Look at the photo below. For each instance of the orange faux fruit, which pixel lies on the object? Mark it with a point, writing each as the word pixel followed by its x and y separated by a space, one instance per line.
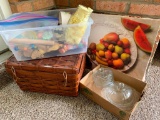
pixel 101 53
pixel 118 63
pixel 111 47
pixel 126 43
pixel 115 55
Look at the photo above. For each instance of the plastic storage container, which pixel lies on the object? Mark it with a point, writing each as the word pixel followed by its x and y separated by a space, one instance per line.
pixel 46 41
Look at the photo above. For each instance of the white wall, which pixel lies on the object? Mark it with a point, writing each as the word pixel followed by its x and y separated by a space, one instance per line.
pixel 5 12
pixel 5 8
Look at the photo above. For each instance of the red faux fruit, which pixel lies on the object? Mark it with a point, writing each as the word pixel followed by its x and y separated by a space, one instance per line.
pixel 94 51
pixel 111 38
pixel 120 43
pixel 106 44
pixel 101 41
pixel 110 63
pixel 127 50
pixel 108 54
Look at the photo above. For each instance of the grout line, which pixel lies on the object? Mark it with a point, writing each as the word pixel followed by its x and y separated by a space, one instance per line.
pixel 3 51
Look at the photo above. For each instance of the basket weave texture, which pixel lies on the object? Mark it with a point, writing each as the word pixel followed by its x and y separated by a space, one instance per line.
pixel 57 75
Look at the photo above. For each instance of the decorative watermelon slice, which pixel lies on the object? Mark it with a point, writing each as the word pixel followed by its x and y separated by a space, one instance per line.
pixel 131 24
pixel 141 40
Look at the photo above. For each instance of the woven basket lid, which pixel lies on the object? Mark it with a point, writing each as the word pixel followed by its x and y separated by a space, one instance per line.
pixel 71 64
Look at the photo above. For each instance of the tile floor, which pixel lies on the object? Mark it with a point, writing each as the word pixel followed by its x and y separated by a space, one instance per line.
pixel 5 56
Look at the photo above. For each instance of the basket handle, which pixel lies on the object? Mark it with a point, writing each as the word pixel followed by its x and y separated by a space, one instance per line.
pixel 14 74
pixel 65 77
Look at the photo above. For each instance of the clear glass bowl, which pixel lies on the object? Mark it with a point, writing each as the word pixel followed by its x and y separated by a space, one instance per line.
pixel 121 95
pixel 102 77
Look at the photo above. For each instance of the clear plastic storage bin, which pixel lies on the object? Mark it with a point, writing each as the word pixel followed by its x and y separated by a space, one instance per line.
pixel 36 42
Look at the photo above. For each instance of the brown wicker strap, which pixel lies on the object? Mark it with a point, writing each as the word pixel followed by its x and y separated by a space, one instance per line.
pixel 14 74
pixel 65 77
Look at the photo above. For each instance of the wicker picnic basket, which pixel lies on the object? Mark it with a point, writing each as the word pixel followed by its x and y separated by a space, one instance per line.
pixel 57 75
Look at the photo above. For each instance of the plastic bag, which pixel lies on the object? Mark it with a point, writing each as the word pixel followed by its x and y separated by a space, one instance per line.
pixel 27 20
pixel 25 16
pixel 28 23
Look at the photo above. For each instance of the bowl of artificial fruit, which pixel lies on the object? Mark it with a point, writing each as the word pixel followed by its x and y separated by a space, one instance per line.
pixel 113 50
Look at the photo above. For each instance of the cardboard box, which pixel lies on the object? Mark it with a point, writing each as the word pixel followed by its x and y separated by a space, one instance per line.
pixel 88 88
